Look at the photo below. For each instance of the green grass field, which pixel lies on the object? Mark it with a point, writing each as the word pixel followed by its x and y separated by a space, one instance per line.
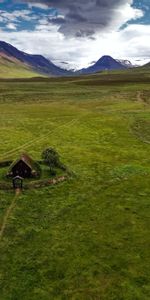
pixel 87 238
pixel 10 69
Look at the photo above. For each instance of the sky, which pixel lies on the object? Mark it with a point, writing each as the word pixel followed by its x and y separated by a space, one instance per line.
pixel 76 33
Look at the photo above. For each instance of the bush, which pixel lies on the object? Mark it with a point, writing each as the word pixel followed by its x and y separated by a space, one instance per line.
pixel 51 157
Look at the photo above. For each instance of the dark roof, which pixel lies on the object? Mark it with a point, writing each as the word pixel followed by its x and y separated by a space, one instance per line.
pixel 27 160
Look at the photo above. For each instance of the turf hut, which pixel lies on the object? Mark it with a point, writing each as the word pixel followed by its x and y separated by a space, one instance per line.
pixel 24 167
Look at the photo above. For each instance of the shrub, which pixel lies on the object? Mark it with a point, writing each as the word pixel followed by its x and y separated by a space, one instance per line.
pixel 51 158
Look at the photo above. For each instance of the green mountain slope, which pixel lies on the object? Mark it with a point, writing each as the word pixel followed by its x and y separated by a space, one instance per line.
pixel 37 63
pixel 15 69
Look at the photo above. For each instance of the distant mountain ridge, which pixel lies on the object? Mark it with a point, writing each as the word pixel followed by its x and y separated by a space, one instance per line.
pixel 105 63
pixel 29 65
pixel 147 65
pixel 37 63
pixel 125 62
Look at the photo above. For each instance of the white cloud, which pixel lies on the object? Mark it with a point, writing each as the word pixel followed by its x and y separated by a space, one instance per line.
pixel 38 5
pixel 11 26
pixel 15 15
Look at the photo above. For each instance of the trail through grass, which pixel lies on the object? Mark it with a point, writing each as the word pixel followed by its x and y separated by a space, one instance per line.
pixel 8 213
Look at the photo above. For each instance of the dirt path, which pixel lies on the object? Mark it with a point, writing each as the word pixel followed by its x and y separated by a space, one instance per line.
pixel 8 213
pixel 140 98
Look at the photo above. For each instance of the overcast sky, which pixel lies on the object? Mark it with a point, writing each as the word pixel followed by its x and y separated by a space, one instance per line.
pixel 74 33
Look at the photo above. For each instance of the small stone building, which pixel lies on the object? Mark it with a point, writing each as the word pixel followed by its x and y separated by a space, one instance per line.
pixel 24 167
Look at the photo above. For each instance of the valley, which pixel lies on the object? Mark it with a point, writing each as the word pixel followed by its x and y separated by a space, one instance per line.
pixel 18 64
pixel 86 238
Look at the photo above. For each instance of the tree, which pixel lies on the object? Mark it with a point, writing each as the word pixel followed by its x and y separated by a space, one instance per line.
pixel 51 158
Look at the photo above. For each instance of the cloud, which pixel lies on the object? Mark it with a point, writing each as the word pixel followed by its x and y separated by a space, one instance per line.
pixel 11 26
pixel 15 15
pixel 38 5
pixel 84 18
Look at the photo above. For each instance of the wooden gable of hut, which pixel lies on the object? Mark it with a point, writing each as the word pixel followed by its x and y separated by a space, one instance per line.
pixel 24 167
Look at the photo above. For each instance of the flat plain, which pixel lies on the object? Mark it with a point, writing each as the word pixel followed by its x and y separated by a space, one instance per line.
pixel 86 238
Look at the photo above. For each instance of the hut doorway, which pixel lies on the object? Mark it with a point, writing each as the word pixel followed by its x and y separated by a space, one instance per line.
pixel 17 183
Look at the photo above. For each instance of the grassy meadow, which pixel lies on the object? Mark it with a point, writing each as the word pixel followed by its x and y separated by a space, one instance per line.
pixel 14 69
pixel 87 238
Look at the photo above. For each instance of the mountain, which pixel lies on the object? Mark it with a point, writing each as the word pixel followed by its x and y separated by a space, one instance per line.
pixel 34 63
pixel 104 63
pixel 147 65
pixel 11 68
pixel 125 62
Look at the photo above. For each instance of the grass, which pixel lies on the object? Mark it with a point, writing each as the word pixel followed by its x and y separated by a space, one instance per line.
pixel 87 238
pixel 10 69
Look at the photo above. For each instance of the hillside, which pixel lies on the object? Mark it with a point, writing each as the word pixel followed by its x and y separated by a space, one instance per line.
pixel 35 63
pixel 15 69
pixel 147 65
